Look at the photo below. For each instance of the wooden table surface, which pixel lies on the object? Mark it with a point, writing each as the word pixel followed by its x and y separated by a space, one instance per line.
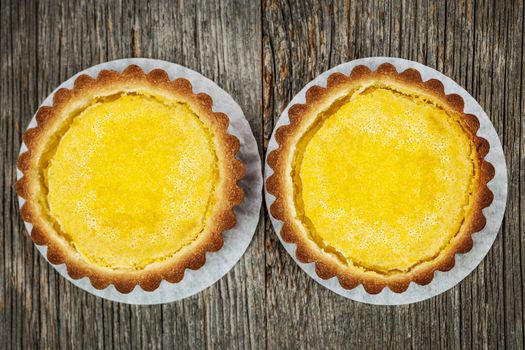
pixel 262 54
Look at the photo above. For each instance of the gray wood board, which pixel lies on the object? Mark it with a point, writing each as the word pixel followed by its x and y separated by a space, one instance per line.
pixel 262 54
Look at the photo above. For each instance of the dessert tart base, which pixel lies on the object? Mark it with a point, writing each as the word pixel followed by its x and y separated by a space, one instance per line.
pixel 236 240
pixel 464 263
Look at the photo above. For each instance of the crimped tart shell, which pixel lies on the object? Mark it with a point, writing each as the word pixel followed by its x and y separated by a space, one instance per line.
pixel 280 183
pixel 108 82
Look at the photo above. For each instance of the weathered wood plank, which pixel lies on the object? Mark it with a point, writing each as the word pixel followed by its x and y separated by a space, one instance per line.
pixel 512 93
pixel 480 45
pixel 231 41
pixel 42 44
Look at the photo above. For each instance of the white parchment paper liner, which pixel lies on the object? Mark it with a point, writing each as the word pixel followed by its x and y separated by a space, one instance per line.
pixel 483 240
pixel 236 240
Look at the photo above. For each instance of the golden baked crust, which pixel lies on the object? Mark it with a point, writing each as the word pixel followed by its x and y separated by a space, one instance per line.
pixel 280 183
pixel 228 193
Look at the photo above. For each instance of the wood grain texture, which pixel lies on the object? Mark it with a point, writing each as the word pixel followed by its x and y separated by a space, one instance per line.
pixel 262 53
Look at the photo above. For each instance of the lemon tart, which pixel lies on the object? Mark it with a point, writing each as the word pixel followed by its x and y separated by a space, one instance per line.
pixel 380 178
pixel 130 178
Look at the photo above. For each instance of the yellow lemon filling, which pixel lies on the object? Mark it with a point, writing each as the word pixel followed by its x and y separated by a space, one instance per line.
pixel 131 180
pixel 384 180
